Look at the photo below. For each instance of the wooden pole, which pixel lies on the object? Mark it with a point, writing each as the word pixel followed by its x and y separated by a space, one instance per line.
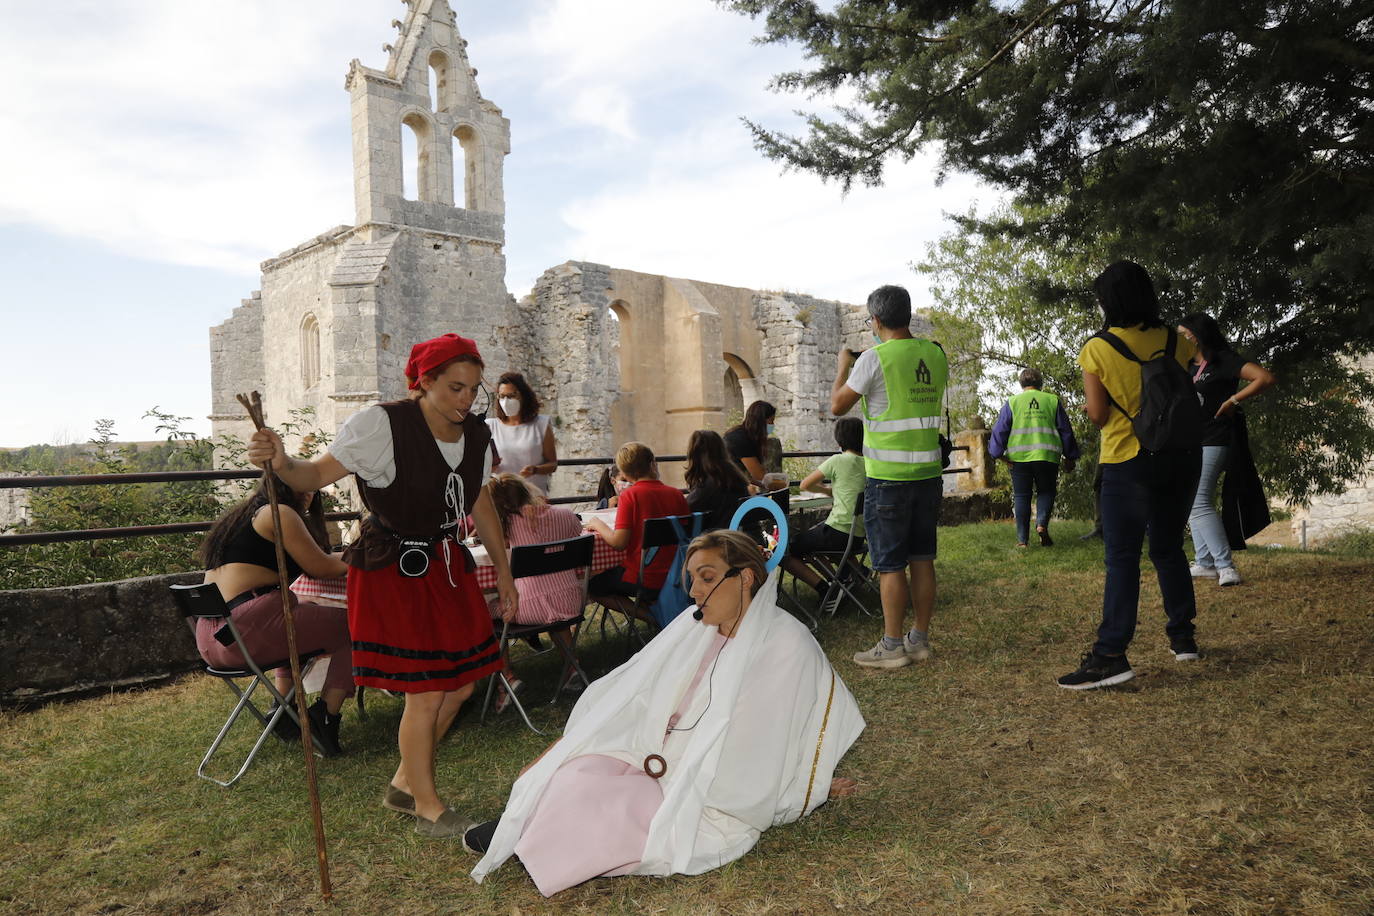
pixel 254 408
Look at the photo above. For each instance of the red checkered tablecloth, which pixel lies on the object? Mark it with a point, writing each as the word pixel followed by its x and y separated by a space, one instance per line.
pixel 307 587
pixel 604 556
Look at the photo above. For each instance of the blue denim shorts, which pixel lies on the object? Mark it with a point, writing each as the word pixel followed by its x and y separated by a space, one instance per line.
pixel 900 518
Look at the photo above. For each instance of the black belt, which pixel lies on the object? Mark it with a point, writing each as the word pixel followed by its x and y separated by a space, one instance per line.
pixel 245 597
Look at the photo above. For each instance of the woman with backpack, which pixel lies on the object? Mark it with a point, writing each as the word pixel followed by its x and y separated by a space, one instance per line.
pixel 1216 371
pixel 1150 459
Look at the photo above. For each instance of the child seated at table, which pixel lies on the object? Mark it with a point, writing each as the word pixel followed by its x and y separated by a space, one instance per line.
pixel 646 497
pixel 527 518
pixel 846 474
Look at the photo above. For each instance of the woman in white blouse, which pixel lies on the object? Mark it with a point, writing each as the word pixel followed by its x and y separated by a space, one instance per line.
pixel 524 438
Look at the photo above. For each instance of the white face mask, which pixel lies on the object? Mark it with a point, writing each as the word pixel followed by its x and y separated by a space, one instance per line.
pixel 510 407
pixel 621 484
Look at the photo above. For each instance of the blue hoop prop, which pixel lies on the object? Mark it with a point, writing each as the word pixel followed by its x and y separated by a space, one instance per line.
pixel 763 502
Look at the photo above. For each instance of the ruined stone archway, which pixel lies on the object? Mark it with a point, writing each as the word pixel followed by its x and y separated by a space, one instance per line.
pixel 741 388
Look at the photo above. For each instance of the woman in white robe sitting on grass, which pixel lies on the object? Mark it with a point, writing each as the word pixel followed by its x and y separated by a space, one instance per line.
pixel 729 722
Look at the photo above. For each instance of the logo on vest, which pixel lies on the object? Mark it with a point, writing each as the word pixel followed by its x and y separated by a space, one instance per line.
pixel 923 373
pixel 1033 405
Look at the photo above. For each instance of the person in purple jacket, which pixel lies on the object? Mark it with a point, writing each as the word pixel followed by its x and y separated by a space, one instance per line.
pixel 1033 436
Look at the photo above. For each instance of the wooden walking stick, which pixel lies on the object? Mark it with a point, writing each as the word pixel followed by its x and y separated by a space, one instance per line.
pixel 254 408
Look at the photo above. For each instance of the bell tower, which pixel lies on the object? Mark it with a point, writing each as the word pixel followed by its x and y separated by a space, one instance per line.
pixel 428 94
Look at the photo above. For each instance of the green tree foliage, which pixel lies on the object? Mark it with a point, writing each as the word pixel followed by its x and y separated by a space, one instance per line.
pixel 124 505
pixel 1228 147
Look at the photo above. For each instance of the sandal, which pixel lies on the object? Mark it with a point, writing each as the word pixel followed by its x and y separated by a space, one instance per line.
pixel 504 696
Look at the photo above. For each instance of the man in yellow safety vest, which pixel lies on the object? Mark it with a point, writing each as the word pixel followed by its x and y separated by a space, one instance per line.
pixel 901 383
pixel 1033 434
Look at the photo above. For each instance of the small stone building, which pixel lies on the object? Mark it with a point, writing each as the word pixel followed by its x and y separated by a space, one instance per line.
pixel 614 354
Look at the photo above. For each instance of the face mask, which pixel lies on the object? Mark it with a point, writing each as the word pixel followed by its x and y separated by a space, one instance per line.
pixel 620 485
pixel 876 338
pixel 771 429
pixel 510 406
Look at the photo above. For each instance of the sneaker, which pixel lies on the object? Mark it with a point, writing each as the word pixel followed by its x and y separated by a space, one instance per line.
pixel 1202 572
pixel 1095 533
pixel 878 657
pixel 1098 671
pixel 916 651
pixel 325 728
pixel 286 729
pixel 1185 649
pixel 478 839
pixel 1045 540
pixel 1227 575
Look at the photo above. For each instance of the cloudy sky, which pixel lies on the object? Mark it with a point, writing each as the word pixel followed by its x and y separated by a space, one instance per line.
pixel 156 151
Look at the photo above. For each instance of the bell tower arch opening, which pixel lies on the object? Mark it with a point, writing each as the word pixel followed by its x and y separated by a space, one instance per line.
pixel 415 157
pixel 467 160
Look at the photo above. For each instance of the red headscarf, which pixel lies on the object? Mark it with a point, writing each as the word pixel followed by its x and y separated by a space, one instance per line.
pixel 431 354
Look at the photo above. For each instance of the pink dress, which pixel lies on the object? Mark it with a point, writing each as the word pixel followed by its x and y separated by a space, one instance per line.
pixel 557 596
pixel 594 816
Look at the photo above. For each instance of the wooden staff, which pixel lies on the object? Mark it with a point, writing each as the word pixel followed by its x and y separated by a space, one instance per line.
pixel 254 408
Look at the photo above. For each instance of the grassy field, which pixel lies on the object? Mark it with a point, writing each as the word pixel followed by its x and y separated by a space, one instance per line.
pixel 1239 784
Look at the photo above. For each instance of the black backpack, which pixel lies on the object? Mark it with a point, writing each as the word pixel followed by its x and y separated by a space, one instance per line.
pixel 1170 417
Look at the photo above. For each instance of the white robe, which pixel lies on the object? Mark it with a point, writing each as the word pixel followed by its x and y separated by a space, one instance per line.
pixel 763 753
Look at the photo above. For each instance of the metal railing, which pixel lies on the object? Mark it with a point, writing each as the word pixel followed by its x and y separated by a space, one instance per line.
pixel 97 534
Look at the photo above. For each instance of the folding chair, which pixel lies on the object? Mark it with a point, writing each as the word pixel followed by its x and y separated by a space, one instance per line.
pixel 541 560
pixel 833 564
pixel 658 533
pixel 206 602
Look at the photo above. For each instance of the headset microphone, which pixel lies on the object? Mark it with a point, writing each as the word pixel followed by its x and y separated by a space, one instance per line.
pixel 700 612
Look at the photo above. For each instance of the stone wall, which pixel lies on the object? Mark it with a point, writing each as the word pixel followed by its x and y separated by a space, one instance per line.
pixel 1331 516
pixel 59 642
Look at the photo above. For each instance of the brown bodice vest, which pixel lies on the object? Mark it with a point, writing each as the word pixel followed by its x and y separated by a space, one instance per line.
pixel 413 506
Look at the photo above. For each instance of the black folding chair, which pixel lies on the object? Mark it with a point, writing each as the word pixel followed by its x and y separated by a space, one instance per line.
pixel 839 565
pixel 542 560
pixel 206 602
pixel 659 533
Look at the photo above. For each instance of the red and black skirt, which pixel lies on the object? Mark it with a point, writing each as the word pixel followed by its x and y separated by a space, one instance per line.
pixel 418 635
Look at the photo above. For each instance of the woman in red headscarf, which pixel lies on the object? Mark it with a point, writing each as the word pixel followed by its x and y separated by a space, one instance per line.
pixel 417 618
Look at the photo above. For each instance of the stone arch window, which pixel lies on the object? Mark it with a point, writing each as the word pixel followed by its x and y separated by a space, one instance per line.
pixel 310 351
pixel 439 96
pixel 415 158
pixel 741 387
pixel 620 316
pixel 466 164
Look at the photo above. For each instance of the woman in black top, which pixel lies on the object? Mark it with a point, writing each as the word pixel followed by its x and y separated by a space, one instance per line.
pixel 241 560
pixel 715 484
pixel 748 442
pixel 1216 372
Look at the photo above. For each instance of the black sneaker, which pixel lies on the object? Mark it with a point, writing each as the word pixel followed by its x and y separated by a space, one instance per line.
pixel 286 729
pixel 1185 649
pixel 325 728
pixel 1098 671
pixel 1095 533
pixel 1045 540
pixel 478 839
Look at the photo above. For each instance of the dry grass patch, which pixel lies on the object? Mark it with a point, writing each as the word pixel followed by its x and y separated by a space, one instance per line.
pixel 1236 785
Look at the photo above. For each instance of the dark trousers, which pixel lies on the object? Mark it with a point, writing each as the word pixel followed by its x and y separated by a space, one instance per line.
pixel 1150 493
pixel 1043 478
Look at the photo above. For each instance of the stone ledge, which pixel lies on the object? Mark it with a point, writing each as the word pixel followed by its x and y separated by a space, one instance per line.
pixel 63 642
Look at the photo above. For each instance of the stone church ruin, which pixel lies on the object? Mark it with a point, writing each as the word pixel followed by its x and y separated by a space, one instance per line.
pixel 614 354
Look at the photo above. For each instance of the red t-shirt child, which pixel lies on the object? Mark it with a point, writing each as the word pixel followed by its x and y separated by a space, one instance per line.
pixel 646 499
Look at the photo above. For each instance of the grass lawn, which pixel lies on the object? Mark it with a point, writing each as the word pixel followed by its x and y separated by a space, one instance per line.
pixel 1237 784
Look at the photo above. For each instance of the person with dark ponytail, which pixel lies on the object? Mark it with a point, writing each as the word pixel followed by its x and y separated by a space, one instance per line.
pixel 1216 371
pixel 240 558
pixel 1142 491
